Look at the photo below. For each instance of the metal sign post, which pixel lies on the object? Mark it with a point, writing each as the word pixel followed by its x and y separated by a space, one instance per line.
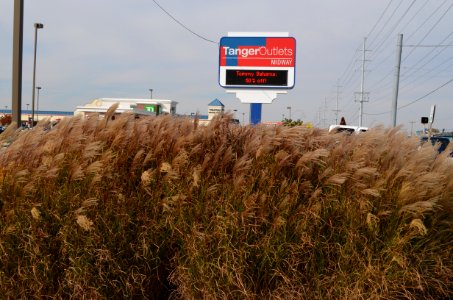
pixel 431 120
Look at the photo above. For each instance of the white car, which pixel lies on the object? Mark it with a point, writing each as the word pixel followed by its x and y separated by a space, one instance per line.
pixel 347 128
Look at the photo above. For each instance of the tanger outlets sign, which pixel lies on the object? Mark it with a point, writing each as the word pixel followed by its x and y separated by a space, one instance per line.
pixel 257 62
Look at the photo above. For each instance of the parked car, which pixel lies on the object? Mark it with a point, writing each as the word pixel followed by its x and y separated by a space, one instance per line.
pixel 440 141
pixel 347 128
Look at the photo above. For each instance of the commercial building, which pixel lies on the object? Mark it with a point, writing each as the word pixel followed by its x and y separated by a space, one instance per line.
pixel 139 106
pixel 100 106
pixel 215 107
pixel 26 114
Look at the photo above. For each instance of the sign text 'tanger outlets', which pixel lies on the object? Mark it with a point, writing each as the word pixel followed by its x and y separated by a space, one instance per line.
pixel 257 62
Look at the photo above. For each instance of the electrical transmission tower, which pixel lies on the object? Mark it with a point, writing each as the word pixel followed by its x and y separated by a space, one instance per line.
pixel 336 110
pixel 363 96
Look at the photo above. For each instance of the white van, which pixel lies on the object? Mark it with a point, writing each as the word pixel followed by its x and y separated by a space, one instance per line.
pixel 347 128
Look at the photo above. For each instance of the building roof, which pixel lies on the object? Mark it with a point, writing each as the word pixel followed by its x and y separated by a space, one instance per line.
pixel 40 112
pixel 216 102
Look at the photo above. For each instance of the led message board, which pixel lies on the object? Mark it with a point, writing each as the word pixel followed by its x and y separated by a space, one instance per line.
pixel 257 62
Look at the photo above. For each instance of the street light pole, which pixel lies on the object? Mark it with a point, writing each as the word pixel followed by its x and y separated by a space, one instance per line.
pixel 289 108
pixel 37 26
pixel 37 103
pixel 151 93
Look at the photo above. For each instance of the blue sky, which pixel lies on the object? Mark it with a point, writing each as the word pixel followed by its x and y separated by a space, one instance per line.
pixel 93 49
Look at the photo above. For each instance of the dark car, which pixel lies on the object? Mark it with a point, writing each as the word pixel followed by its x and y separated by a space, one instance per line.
pixel 440 141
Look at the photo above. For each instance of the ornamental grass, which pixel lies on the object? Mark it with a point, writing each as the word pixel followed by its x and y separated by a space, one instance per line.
pixel 160 208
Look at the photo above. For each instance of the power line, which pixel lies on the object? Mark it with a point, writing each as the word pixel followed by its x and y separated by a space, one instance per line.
pixel 380 18
pixel 388 36
pixel 426 56
pixel 388 20
pixel 184 26
pixel 349 68
pixel 443 63
pixel 376 85
pixel 378 47
pixel 430 71
pixel 429 46
pixel 431 29
pixel 426 20
pixel 349 73
pixel 402 14
pixel 433 91
pixel 416 100
pixel 416 14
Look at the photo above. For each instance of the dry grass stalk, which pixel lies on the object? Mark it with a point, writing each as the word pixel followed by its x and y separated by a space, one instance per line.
pixel 84 222
pixel 164 208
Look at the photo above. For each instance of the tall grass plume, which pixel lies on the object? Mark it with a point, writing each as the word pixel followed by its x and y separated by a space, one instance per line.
pixel 158 207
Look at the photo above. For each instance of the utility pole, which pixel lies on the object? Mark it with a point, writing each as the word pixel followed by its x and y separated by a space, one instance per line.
pixel 17 61
pixel 319 117
pixel 362 84
pixel 399 48
pixel 412 126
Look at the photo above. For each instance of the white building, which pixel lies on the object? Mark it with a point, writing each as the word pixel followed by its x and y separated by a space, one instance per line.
pixel 140 106
pixel 215 108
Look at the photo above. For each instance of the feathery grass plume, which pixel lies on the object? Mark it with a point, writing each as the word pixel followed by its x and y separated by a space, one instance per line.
pixel 371 220
pixel 10 133
pixel 137 162
pixel 371 192
pixel 365 173
pixel 165 167
pixel 95 167
pixel 85 223
pixel 35 213
pixel 92 150
pixel 22 176
pixel 91 202
pixel 419 226
pixel 420 208
pixel 147 177
pixel 169 204
pixel 196 176
pixel 181 161
pixel 241 172
pixel 76 172
pixel 169 173
pixel 108 116
pixel 150 159
pixel 70 133
pixel 337 179
pixel 254 212
pixel 311 162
